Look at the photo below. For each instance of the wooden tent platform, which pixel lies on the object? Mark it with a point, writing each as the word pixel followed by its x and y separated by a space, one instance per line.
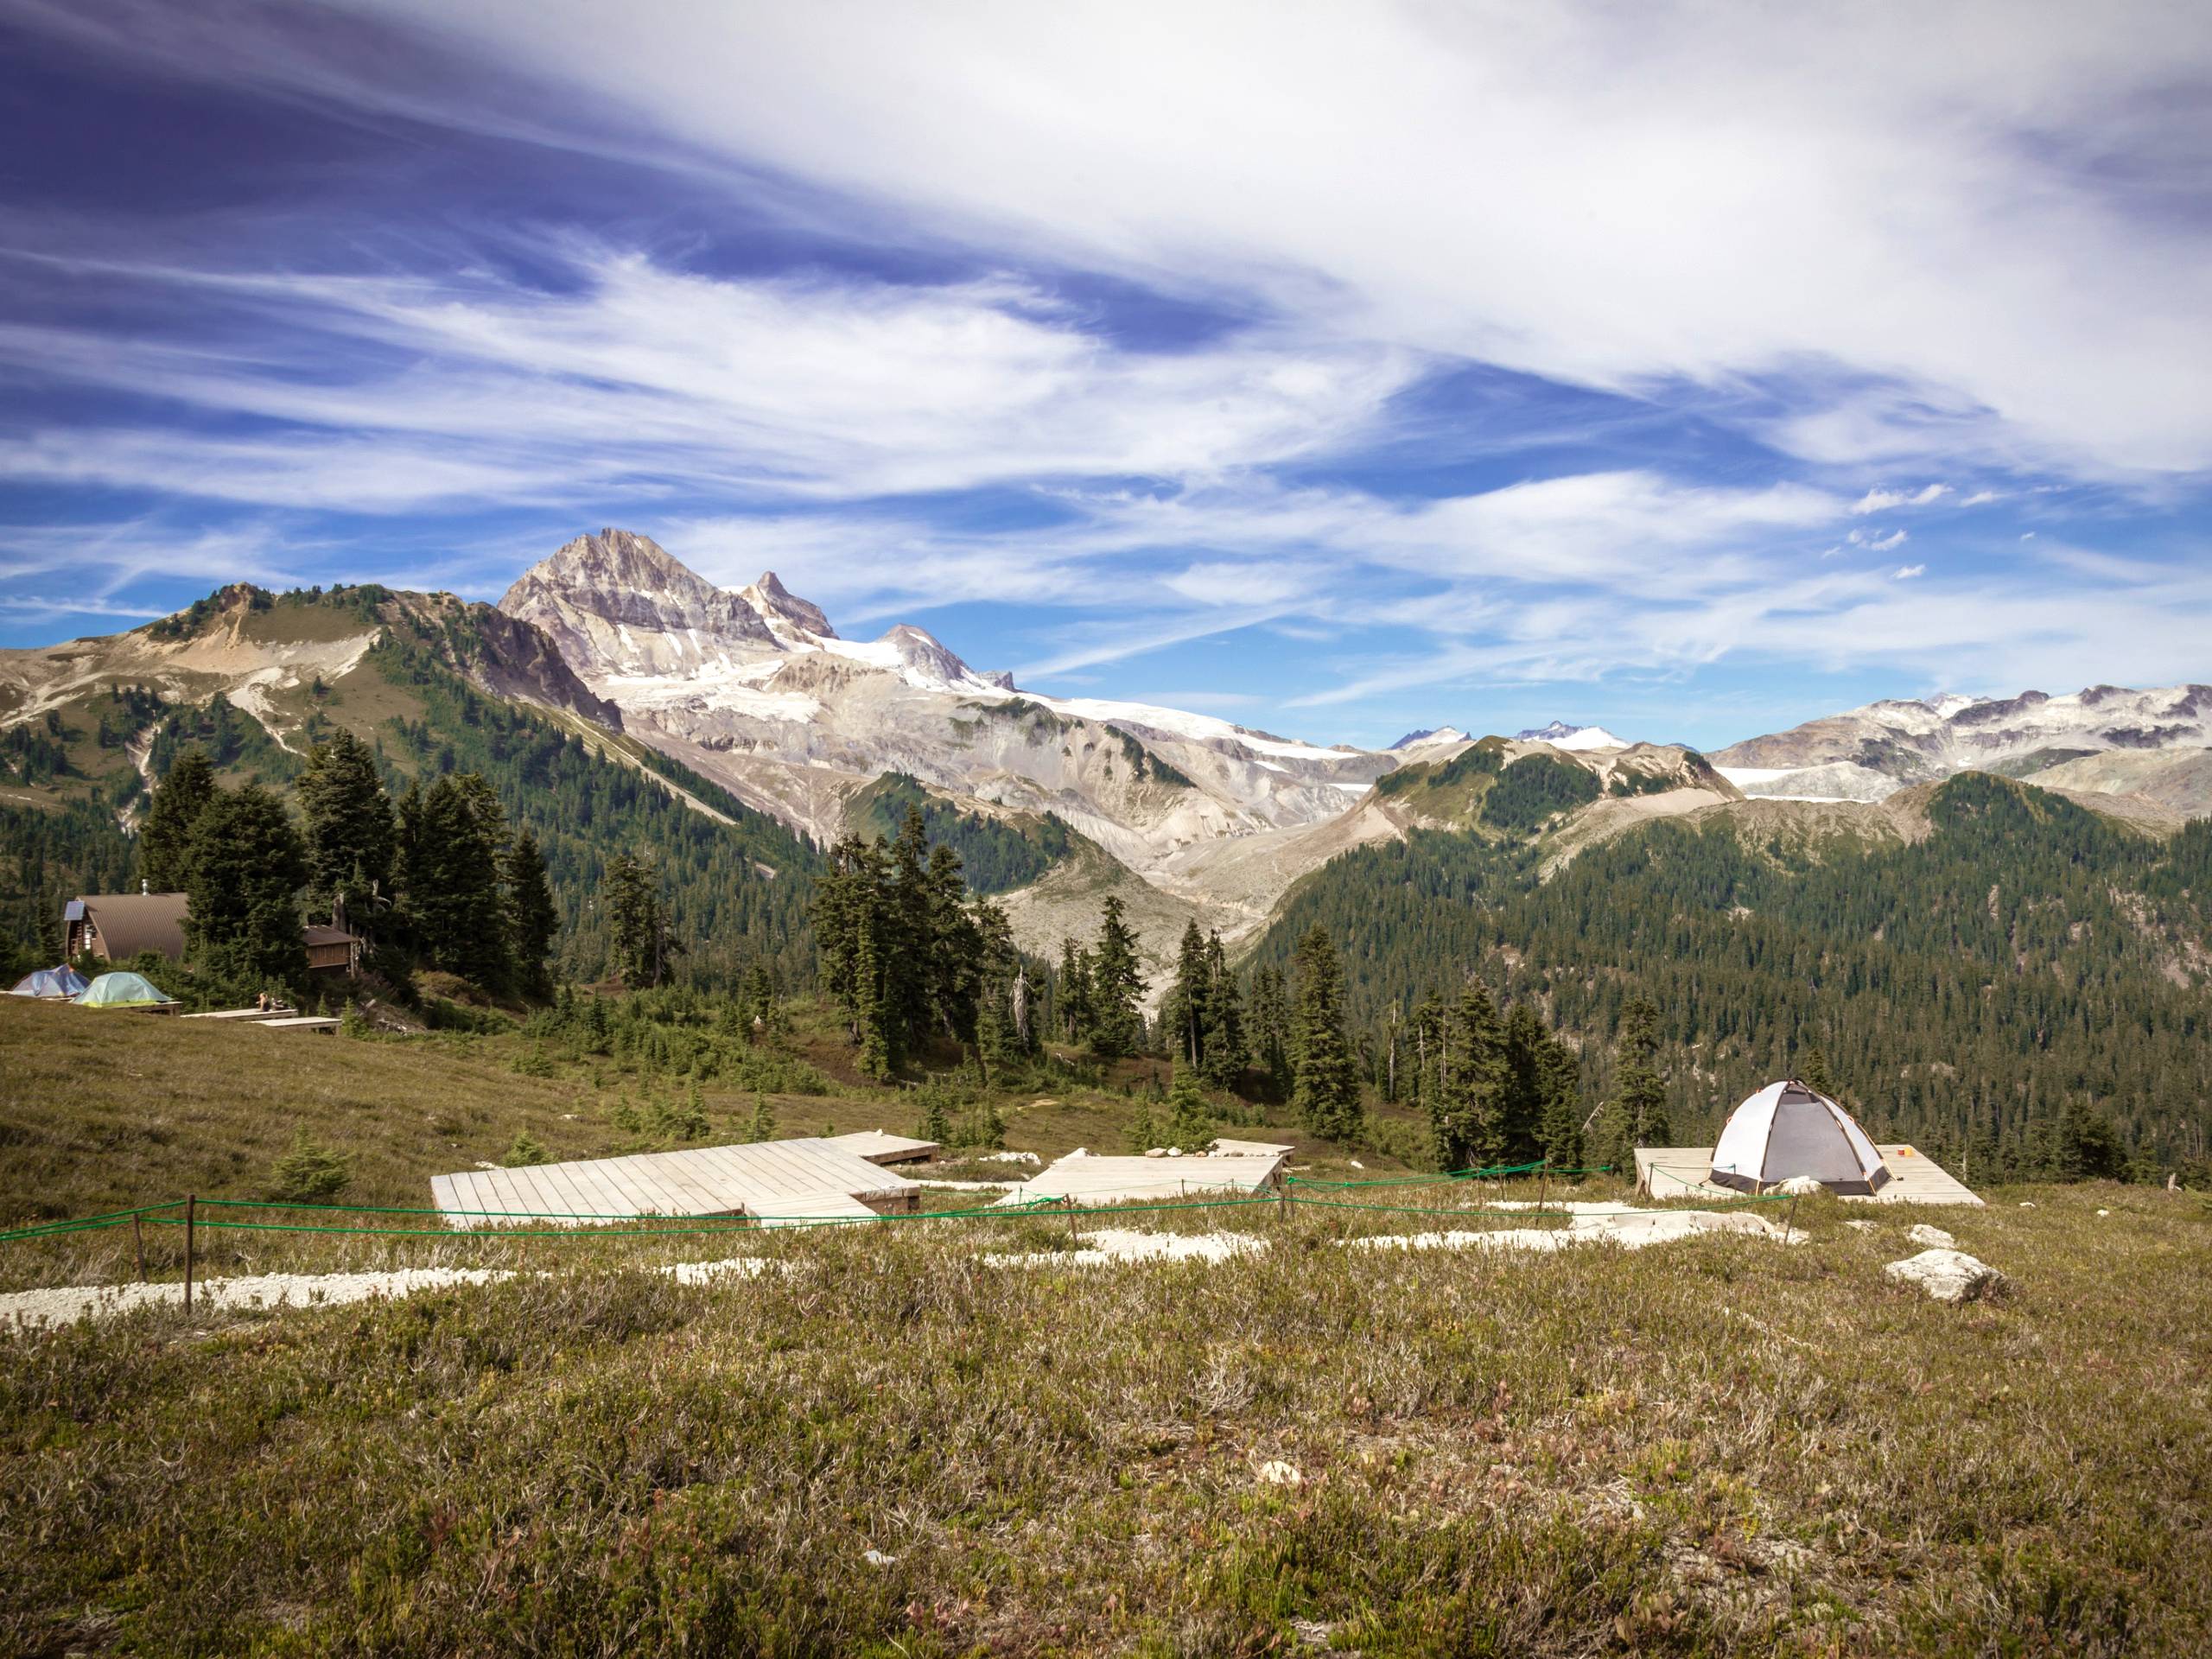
pixel 255 1016
pixel 881 1146
pixel 1085 1180
pixel 1914 1177
pixel 324 1023
pixel 770 1181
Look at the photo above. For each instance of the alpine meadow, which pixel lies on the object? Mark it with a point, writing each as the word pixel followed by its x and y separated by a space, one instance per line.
pixel 1553 994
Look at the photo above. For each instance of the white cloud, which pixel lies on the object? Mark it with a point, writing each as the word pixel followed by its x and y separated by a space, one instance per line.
pixel 406 392
pixel 1879 500
pixel 1980 497
pixel 1907 572
pixel 1921 200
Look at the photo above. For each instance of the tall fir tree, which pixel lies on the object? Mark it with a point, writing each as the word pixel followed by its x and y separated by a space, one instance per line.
pixel 532 919
pixel 1326 1092
pixel 247 866
pixel 351 834
pixel 1116 986
pixel 631 893
pixel 165 837
pixel 1075 1011
pixel 1225 1052
pixel 452 863
pixel 1640 1087
pixel 1467 1113
pixel 1269 1018
pixel 1182 1014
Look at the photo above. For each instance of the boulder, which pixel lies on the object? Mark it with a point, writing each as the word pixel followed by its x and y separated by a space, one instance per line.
pixel 1935 1237
pixel 1949 1275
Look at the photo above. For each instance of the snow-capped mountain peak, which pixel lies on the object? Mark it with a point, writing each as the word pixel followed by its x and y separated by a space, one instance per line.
pixel 776 604
pixel 1428 737
pixel 1560 735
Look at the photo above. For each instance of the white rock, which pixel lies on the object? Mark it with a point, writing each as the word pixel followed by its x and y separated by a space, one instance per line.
pixel 1947 1275
pixel 2026 1205
pixel 2104 1212
pixel 1863 1226
pixel 1934 1237
pixel 1356 1164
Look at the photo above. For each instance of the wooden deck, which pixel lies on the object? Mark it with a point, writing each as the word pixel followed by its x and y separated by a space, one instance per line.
pixel 1914 1177
pixel 881 1146
pixel 257 1016
pixel 323 1023
pixel 1086 1180
pixel 770 1181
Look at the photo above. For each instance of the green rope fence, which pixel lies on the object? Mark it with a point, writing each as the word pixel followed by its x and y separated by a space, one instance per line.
pixel 163 1215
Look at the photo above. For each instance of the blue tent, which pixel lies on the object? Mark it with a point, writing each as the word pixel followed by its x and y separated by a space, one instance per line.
pixel 63 982
pixel 123 991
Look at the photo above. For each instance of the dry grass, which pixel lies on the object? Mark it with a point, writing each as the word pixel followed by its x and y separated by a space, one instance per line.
pixel 1559 1454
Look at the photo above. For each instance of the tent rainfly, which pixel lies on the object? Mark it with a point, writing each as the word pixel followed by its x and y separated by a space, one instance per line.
pixel 123 990
pixel 63 982
pixel 1787 1130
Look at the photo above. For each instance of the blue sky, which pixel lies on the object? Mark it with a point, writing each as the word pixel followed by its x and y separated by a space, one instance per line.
pixel 1694 369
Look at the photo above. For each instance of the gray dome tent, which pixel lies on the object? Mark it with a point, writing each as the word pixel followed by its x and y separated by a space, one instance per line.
pixel 1787 1130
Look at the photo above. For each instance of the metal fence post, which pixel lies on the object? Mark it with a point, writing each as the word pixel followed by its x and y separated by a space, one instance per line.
pixel 138 1247
pixel 190 1202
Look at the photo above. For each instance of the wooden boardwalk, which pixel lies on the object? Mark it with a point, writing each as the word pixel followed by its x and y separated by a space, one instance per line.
pixel 1914 1177
pixel 770 1181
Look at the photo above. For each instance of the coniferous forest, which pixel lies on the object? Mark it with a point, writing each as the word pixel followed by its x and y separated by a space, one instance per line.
pixel 2007 991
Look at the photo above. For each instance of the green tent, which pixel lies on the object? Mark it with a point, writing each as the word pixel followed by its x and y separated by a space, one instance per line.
pixel 123 991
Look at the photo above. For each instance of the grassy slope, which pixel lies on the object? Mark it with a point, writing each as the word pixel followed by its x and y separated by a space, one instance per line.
pixel 1566 1454
pixel 101 1111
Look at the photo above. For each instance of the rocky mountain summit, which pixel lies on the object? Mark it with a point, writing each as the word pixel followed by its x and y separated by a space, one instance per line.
pixel 1869 753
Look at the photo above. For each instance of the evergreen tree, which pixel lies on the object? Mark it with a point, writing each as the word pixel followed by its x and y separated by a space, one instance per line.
pixel 2087 1148
pixel 1182 1016
pixel 1225 1052
pixel 246 865
pixel 350 836
pixel 532 920
pixel 165 837
pixel 1326 1092
pixel 763 1126
pixel 1116 986
pixel 1560 1127
pixel 452 864
pixel 631 895
pixel 1640 1090
pixel 1143 1131
pixel 1075 991
pixel 1467 1112
pixel 1190 1122
pixel 907 960
pixel 1271 1026
pixel 1523 1052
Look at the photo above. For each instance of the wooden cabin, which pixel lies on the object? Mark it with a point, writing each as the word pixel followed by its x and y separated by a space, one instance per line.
pixel 117 926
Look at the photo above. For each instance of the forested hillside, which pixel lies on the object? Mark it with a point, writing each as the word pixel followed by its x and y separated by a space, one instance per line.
pixel 996 853
pixel 1967 989
pixel 737 885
